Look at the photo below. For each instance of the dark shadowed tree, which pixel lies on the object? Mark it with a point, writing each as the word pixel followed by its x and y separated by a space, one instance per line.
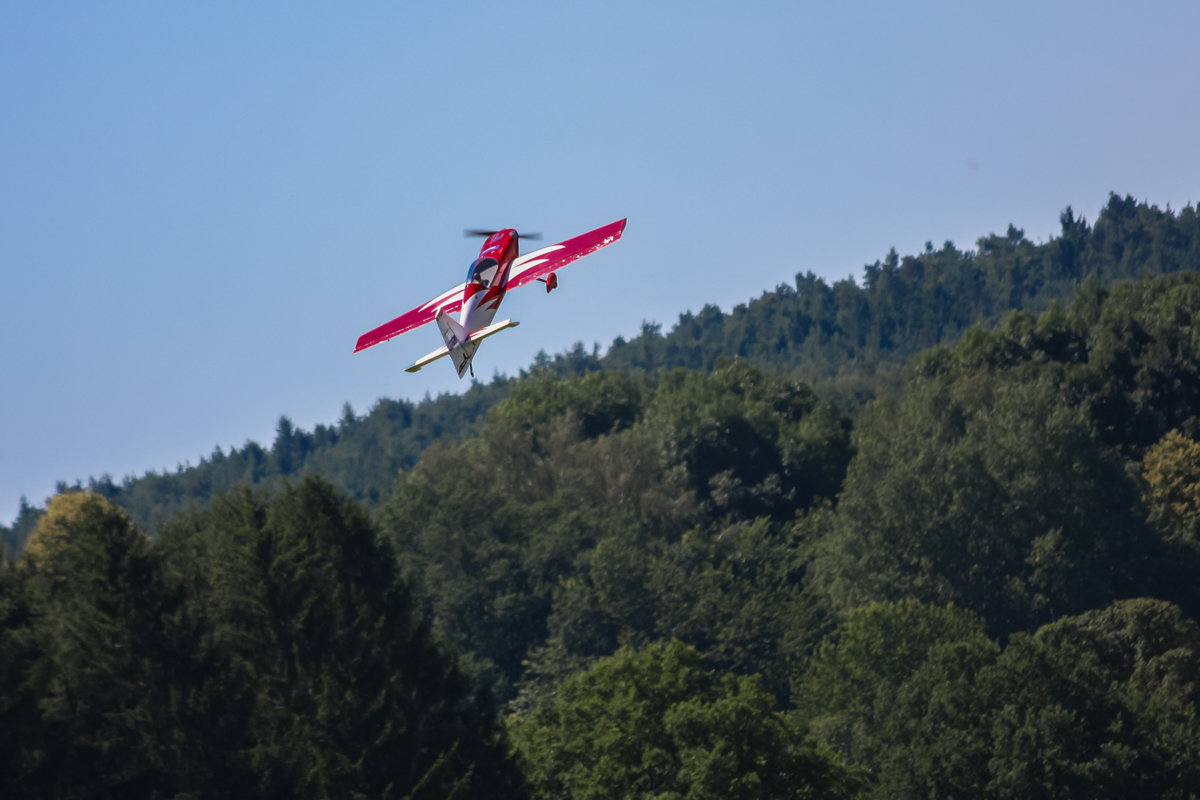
pixel 748 443
pixel 345 691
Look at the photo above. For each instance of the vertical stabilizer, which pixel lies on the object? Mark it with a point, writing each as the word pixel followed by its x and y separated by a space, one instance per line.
pixel 462 350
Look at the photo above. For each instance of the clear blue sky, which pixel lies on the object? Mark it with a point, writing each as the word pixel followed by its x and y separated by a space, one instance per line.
pixel 202 205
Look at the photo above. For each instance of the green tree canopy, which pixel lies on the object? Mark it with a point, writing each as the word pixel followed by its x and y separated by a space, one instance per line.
pixel 990 492
pixel 849 684
pixel 656 724
pixel 749 443
pixel 1100 705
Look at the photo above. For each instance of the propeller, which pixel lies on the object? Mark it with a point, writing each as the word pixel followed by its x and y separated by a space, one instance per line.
pixel 535 237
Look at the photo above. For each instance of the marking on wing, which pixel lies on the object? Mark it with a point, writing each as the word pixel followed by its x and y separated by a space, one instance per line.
pixel 537 254
pixel 443 298
pixel 531 260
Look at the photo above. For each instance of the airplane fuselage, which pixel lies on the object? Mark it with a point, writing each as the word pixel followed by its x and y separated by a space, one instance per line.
pixel 487 279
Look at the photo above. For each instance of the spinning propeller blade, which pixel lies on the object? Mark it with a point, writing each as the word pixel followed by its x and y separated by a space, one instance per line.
pixel 479 232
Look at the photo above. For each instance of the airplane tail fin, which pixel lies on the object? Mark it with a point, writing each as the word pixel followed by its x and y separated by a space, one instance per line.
pixel 460 347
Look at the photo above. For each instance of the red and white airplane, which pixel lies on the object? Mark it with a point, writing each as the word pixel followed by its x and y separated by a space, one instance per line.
pixel 497 269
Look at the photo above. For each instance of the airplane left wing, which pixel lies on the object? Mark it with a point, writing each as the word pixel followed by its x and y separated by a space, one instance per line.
pixel 448 301
pixel 541 263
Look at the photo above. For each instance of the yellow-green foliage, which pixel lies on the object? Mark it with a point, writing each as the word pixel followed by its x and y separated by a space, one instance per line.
pixel 66 514
pixel 1171 470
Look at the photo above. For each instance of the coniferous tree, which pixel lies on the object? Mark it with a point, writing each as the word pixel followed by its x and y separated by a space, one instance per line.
pixel 345 692
pixel 95 603
pixel 259 648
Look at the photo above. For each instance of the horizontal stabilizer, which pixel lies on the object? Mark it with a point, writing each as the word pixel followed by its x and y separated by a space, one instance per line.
pixel 475 337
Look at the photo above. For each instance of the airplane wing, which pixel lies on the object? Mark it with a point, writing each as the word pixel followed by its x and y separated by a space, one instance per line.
pixel 541 263
pixel 450 301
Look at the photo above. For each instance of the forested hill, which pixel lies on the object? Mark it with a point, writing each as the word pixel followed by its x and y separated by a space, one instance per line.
pixel 844 338
pixel 702 583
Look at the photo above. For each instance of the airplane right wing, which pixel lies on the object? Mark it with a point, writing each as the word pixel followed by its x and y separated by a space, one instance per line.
pixel 541 263
pixel 448 301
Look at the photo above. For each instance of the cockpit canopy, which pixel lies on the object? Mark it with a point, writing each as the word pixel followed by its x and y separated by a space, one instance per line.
pixel 483 271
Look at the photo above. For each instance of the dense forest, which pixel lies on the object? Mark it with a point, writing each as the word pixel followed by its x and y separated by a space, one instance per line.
pixel 937 535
